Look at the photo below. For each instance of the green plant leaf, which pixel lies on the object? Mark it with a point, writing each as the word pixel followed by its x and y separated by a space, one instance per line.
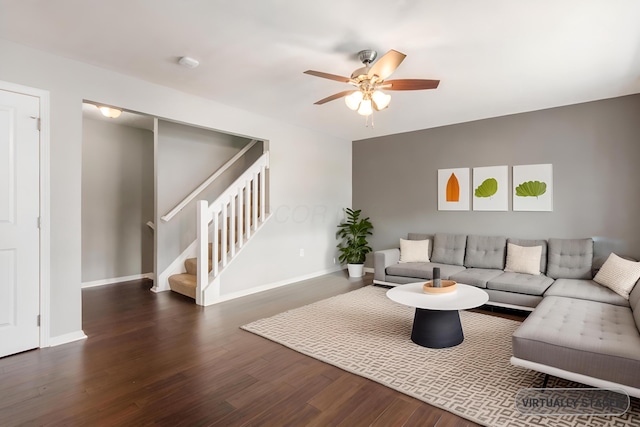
pixel 353 233
pixel 531 189
pixel 488 188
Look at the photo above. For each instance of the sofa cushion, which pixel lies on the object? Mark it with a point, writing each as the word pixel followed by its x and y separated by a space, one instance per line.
pixel 476 276
pixel 619 275
pixel 449 248
pixel 423 270
pixel 586 337
pixel 485 252
pixel 421 236
pixel 520 283
pixel 530 242
pixel 523 259
pixel 414 250
pixel 570 258
pixel 585 289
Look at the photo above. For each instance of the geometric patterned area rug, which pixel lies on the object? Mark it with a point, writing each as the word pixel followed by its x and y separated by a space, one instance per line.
pixel 365 333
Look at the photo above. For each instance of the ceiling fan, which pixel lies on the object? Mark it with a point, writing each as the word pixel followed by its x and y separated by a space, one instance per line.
pixel 370 80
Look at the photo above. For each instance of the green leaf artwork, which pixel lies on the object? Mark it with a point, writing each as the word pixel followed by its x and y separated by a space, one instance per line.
pixel 488 188
pixel 531 189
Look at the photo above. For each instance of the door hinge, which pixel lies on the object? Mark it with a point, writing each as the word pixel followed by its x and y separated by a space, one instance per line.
pixel 38 320
pixel 38 222
pixel 38 122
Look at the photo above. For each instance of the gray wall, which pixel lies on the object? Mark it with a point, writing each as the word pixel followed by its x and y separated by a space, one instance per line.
pixel 595 152
pixel 187 156
pixel 117 200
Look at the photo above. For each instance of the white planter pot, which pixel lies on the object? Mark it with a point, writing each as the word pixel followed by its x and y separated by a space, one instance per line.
pixel 355 270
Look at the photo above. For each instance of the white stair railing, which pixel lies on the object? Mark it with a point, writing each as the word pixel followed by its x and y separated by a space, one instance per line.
pixel 229 222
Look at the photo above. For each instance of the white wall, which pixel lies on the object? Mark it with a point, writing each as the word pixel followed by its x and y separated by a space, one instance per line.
pixel 308 168
pixel 117 200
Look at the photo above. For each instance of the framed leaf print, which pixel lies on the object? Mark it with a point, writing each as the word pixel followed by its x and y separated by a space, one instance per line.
pixel 453 189
pixel 533 188
pixel 490 188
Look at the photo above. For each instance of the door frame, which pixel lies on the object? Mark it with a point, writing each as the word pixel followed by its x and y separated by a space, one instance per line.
pixel 45 205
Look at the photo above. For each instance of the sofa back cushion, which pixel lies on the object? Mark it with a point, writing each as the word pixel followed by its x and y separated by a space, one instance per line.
pixel 449 248
pixel 485 252
pixel 570 258
pixel 529 243
pixel 420 236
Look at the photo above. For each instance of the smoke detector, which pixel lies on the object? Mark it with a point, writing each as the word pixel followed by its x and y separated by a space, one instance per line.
pixel 189 62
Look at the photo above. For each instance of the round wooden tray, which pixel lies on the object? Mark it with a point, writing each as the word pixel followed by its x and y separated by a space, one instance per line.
pixel 447 286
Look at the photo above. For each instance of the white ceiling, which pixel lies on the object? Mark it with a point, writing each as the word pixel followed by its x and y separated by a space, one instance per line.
pixel 493 57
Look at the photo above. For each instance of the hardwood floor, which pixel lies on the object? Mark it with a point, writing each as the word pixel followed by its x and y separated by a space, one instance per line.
pixel 159 359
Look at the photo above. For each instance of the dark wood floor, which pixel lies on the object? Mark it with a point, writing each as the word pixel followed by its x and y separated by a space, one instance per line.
pixel 159 359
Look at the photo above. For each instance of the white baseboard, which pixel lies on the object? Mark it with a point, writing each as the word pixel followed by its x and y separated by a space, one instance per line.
pixel 67 338
pixel 278 284
pixel 369 270
pixel 117 280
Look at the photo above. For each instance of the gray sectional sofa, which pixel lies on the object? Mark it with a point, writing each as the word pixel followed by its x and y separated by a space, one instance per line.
pixel 578 329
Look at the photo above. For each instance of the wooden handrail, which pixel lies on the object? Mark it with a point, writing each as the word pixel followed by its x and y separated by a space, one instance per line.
pixel 173 212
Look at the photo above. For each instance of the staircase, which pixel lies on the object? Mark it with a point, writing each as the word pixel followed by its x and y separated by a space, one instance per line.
pixel 233 218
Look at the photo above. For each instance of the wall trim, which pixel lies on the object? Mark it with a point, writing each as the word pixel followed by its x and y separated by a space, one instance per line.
pixel 113 280
pixel 67 338
pixel 277 284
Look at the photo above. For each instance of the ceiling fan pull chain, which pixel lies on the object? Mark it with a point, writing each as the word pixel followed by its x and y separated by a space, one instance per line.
pixel 366 121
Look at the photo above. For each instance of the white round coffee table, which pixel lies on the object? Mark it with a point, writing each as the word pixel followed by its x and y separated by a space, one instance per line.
pixel 436 323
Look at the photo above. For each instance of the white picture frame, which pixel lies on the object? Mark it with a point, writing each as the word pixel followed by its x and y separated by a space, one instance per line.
pixel 533 188
pixel 490 191
pixel 453 189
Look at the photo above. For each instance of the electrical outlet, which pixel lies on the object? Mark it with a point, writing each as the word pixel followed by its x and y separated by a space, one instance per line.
pixel 334 260
pixel 301 252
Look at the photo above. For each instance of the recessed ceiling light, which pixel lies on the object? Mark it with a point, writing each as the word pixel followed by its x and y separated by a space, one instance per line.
pixel 187 61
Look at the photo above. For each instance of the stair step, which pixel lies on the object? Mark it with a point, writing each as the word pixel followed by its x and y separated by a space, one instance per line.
pixel 184 284
pixel 191 264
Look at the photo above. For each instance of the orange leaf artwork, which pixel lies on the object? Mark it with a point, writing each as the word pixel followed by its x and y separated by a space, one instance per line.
pixel 453 189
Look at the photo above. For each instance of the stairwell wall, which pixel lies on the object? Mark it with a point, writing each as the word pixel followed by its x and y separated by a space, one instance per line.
pixel 187 156
pixel 309 170
pixel 117 201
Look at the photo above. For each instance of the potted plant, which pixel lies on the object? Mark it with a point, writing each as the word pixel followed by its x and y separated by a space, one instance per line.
pixel 354 246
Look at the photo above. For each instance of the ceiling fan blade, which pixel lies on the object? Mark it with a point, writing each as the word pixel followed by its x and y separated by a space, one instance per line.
pixel 410 84
pixel 335 96
pixel 387 64
pixel 328 76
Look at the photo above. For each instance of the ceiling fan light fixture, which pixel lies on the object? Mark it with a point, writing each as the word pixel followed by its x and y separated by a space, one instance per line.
pixel 365 108
pixel 353 100
pixel 370 79
pixel 381 99
pixel 112 113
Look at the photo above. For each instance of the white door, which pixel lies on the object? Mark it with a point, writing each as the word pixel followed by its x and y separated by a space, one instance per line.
pixel 19 212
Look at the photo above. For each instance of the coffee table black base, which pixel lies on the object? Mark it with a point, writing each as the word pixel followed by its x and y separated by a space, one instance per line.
pixel 436 328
